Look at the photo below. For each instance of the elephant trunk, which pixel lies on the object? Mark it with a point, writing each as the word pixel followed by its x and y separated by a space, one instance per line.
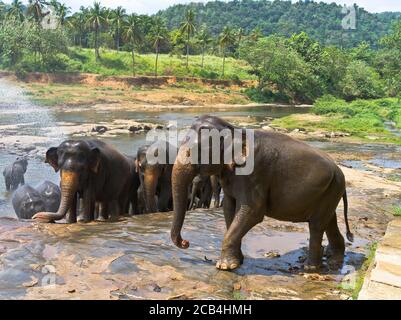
pixel 150 184
pixel 182 176
pixel 69 187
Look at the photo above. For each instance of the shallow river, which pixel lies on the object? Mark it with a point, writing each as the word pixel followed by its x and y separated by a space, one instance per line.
pixel 135 258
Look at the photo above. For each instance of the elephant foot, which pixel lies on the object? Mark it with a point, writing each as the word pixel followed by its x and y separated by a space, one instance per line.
pixel 311 268
pixel 335 258
pixel 229 262
pixel 83 220
pixel 101 219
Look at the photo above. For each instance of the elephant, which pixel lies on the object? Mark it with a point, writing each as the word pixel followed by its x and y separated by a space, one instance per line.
pixel 135 184
pixel 51 195
pixel 201 189
pixel 216 189
pixel 27 201
pixel 156 177
pixel 91 170
pixel 14 174
pixel 290 181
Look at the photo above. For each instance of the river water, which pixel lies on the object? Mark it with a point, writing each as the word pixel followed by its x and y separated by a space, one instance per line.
pixel 135 258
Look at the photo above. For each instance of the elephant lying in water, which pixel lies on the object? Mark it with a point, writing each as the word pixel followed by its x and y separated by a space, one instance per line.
pixel 28 201
pixel 94 171
pixel 291 181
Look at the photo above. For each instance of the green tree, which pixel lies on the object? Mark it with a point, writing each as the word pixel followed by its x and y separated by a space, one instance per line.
pixel 204 39
pixel 16 10
pixel 62 11
pixel 361 81
pixel 188 28
pixel 96 19
pixel 280 68
pixel 158 34
pixel 117 20
pixel 226 39
pixel 133 35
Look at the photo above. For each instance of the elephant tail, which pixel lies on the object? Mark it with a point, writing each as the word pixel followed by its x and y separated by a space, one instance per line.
pixel 350 236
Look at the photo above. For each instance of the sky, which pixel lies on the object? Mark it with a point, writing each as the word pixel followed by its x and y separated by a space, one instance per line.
pixel 152 6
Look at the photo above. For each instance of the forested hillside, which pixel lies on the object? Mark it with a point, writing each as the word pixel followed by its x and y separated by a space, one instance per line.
pixel 319 20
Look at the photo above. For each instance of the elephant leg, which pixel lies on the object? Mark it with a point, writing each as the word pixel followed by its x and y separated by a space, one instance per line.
pixel 229 214
pixel 315 247
pixel 103 214
pixel 114 210
pixel 336 248
pixel 88 207
pixel 215 190
pixel 22 181
pixel 71 216
pixel 244 220
pixel 134 202
pixel 8 184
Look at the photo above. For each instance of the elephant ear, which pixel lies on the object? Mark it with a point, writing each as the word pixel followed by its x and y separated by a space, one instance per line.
pixel 94 160
pixel 52 158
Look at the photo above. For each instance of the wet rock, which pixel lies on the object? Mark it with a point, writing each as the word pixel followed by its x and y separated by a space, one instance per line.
pixel 272 254
pixel 34 281
pixel 146 128
pixel 157 288
pixel 100 129
pixel 28 148
pixel 134 129
pixel 267 128
pixel 332 135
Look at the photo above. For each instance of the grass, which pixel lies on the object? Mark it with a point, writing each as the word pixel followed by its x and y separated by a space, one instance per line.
pixel 397 211
pixel 360 118
pixel 356 287
pixel 113 63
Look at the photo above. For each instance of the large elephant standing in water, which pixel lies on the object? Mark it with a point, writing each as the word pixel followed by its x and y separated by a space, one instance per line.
pixel 290 181
pixel 95 171
pixel 156 177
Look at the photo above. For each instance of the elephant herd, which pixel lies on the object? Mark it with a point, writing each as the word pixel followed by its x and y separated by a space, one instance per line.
pixel 100 183
pixel 290 181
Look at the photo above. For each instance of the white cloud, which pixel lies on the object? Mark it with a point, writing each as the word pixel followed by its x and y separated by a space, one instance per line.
pixel 152 6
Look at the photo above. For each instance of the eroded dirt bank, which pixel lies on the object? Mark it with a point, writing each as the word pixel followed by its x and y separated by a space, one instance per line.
pixel 134 258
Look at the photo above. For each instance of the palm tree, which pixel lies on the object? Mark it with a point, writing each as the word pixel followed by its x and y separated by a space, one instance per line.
pixel 117 19
pixel 132 33
pixel 204 39
pixel 78 22
pixel 188 28
pixel 35 10
pixel 96 19
pixel 62 11
pixel 158 34
pixel 16 10
pixel 226 39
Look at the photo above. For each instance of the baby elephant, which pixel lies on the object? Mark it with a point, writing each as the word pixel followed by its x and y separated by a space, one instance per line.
pixel 28 201
pixel 14 174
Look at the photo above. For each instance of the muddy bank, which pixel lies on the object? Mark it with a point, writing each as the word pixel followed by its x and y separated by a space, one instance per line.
pixel 95 79
pixel 135 259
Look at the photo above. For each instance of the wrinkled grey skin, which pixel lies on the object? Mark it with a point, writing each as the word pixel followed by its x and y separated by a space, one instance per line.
pixel 14 174
pixel 27 201
pixel 291 181
pixel 51 195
